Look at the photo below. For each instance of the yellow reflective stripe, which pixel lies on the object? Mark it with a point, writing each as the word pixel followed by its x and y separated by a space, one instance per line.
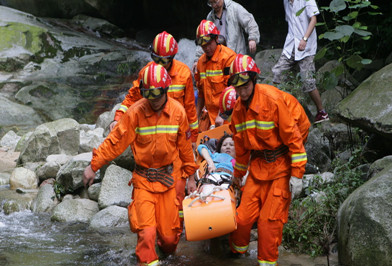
pixel 181 214
pixel 123 108
pixel 298 157
pixel 157 129
pixel 239 249
pixel 263 125
pixel 153 263
pixel 173 88
pixel 240 167
pixel 267 263
pixel 202 75
pixel 214 73
pixel 194 125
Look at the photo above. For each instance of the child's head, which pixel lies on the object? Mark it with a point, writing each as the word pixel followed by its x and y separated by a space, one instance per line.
pixel 226 145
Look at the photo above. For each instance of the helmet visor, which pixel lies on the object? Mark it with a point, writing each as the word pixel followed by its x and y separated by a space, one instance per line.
pixel 239 79
pixel 162 60
pixel 202 40
pixel 153 93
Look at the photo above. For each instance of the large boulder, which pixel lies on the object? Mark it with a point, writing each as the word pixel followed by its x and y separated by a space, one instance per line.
pixel 75 210
pixel 112 216
pixel 365 223
pixel 115 189
pixel 370 105
pixel 60 136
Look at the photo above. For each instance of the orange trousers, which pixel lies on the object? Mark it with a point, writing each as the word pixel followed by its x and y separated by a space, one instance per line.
pixel 266 202
pixel 154 217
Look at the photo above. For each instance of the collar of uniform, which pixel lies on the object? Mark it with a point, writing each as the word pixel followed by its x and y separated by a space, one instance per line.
pixel 215 56
pixel 173 70
pixel 148 112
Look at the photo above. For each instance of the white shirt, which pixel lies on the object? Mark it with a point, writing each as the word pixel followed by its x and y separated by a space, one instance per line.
pixel 298 26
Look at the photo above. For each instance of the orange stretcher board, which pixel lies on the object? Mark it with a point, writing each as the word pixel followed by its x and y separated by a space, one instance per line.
pixel 212 219
pixel 216 217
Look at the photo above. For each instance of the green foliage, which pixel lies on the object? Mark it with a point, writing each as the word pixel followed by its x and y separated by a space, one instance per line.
pixel 59 190
pixel 128 68
pixel 293 85
pixel 312 223
pixel 345 33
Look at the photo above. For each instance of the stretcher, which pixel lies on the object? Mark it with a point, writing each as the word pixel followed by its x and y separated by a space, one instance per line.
pixel 209 212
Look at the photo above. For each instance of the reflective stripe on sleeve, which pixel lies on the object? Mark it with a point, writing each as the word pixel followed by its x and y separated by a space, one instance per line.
pixel 240 167
pixel 153 263
pixel 123 108
pixel 194 125
pixel 298 157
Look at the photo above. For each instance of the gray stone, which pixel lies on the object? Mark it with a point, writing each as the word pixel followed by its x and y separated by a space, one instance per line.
pixel 93 191
pixel 365 223
pixel 75 210
pixel 60 136
pixel 370 105
pixel 46 199
pixel 23 178
pixel 115 189
pixel 112 216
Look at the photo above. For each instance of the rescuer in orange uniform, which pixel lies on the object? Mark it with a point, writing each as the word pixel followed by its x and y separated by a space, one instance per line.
pixel 163 49
pixel 157 129
pixel 268 143
pixel 212 71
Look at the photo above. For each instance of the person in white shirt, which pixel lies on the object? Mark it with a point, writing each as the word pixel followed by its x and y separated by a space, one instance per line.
pixel 300 47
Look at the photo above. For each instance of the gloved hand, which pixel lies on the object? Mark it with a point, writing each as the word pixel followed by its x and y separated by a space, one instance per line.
pixel 295 186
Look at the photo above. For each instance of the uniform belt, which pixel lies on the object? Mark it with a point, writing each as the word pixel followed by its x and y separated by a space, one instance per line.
pixel 161 174
pixel 224 170
pixel 270 155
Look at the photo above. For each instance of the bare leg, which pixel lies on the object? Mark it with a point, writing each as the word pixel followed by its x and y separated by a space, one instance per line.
pixel 315 96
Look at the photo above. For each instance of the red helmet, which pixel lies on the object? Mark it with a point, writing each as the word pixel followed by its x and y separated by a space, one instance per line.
pixel 155 81
pixel 227 101
pixel 205 32
pixel 164 45
pixel 242 69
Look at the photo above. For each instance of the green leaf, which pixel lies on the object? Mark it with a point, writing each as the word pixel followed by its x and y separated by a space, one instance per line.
pixel 346 30
pixel 300 11
pixel 337 5
pixel 320 54
pixel 354 62
pixel 362 32
pixel 338 70
pixel 353 14
pixel 365 38
pixel 374 6
pixel 320 24
pixel 345 39
pixel 366 61
pixel 332 36
pixel 374 13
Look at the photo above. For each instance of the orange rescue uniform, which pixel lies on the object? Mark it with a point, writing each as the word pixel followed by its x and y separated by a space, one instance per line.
pixel 211 78
pixel 156 141
pixel 181 89
pixel 266 124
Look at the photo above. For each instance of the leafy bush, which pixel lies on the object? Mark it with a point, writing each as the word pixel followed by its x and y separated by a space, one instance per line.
pixel 312 220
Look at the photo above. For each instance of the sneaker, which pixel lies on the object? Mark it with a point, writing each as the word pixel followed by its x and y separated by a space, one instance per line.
pixel 321 117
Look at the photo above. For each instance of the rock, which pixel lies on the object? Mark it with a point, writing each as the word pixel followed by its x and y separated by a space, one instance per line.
pixel 70 175
pixel 14 114
pixel 48 170
pixel 318 150
pixel 10 140
pixel 265 60
pixel 11 201
pixel 115 189
pixel 60 136
pixel 93 191
pixel 373 94
pixel 365 223
pixel 75 210
pixel 46 199
pixel 112 216
pixel 90 139
pixel 23 178
pixel 8 160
